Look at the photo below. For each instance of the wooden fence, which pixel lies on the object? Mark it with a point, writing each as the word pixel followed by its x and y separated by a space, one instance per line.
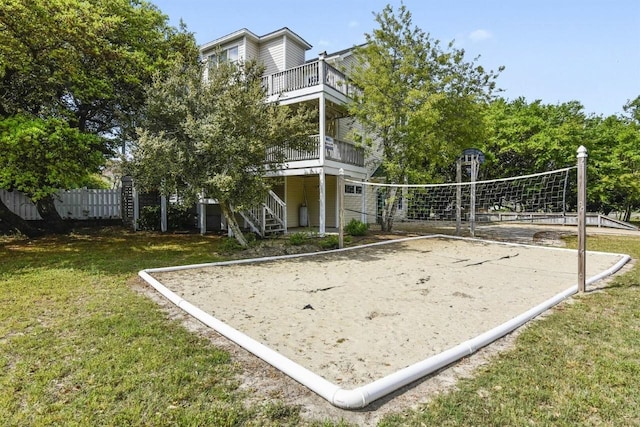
pixel 71 204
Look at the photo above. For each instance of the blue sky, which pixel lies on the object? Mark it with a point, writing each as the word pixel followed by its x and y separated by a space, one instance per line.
pixel 553 50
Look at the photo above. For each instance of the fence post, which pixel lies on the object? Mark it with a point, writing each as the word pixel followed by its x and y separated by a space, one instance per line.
pixel 582 216
pixel 341 208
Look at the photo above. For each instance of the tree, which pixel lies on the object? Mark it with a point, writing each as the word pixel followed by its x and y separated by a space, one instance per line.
pixel 80 65
pixel 212 136
pixel 614 160
pixel 534 137
pixel 421 103
pixel 531 137
pixel 40 156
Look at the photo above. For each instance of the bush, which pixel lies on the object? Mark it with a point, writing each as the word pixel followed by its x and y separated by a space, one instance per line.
pixel 331 242
pixel 229 245
pixel 178 218
pixel 297 239
pixel 149 219
pixel 356 228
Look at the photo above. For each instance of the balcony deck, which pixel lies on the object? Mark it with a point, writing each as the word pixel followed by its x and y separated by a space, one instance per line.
pixel 308 75
pixel 334 150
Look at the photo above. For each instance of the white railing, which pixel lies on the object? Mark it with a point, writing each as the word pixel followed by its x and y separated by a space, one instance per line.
pixel 337 150
pixel 277 208
pixel 71 204
pixel 277 154
pixel 345 152
pixel 307 75
pixel 268 217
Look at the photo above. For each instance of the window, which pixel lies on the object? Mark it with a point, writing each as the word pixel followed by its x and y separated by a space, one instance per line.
pixel 225 55
pixel 353 189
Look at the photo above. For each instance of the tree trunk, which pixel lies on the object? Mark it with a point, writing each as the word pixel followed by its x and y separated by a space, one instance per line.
pixel 389 209
pixel 627 212
pixel 225 207
pixel 52 219
pixel 15 222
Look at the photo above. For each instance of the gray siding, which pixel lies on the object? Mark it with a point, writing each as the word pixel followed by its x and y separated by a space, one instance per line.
pixel 251 49
pixel 294 54
pixel 344 127
pixel 272 55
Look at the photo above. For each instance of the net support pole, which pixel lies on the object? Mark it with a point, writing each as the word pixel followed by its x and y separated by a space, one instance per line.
pixel 582 217
pixel 472 207
pixel 341 208
pixel 458 195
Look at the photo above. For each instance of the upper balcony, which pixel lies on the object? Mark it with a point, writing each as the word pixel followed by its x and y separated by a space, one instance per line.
pixel 310 75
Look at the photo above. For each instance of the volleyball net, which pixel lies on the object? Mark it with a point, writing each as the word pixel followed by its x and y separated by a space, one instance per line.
pixel 545 196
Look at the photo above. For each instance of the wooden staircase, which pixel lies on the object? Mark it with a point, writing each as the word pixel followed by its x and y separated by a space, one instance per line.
pixel 268 219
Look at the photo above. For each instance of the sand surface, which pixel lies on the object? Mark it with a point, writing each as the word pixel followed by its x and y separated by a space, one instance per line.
pixel 356 316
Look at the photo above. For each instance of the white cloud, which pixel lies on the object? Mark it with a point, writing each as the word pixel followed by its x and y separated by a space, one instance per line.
pixel 353 24
pixel 480 35
pixel 324 43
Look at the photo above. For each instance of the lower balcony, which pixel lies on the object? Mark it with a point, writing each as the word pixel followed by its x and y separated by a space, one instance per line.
pixel 334 150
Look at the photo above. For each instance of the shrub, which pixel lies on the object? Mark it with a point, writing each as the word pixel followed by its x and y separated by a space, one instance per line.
pixel 298 239
pixel 149 219
pixel 331 242
pixel 356 228
pixel 178 218
pixel 229 245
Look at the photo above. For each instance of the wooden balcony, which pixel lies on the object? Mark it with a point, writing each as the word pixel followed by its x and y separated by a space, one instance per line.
pixel 306 76
pixel 334 150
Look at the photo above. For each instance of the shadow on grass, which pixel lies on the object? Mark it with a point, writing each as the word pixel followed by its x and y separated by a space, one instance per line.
pixel 112 251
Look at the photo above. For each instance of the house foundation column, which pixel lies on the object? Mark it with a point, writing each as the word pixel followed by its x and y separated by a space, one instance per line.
pixel 322 191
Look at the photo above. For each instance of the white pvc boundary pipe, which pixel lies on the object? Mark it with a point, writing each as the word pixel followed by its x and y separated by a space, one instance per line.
pixel 362 396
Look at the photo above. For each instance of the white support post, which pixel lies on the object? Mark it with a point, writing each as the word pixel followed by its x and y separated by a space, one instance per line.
pixel 203 217
pixel 163 213
pixel 322 127
pixel 136 209
pixel 322 190
pixel 341 208
pixel 582 217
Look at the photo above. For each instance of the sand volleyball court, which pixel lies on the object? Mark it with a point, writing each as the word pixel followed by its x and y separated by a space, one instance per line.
pixel 358 315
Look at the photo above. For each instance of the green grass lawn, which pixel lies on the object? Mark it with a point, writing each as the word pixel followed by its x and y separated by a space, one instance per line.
pixel 78 346
pixel 578 366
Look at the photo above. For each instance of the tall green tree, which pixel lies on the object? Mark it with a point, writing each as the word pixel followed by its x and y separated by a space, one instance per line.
pixel 80 65
pixel 531 137
pixel 212 137
pixel 614 159
pixel 420 103
pixel 39 157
